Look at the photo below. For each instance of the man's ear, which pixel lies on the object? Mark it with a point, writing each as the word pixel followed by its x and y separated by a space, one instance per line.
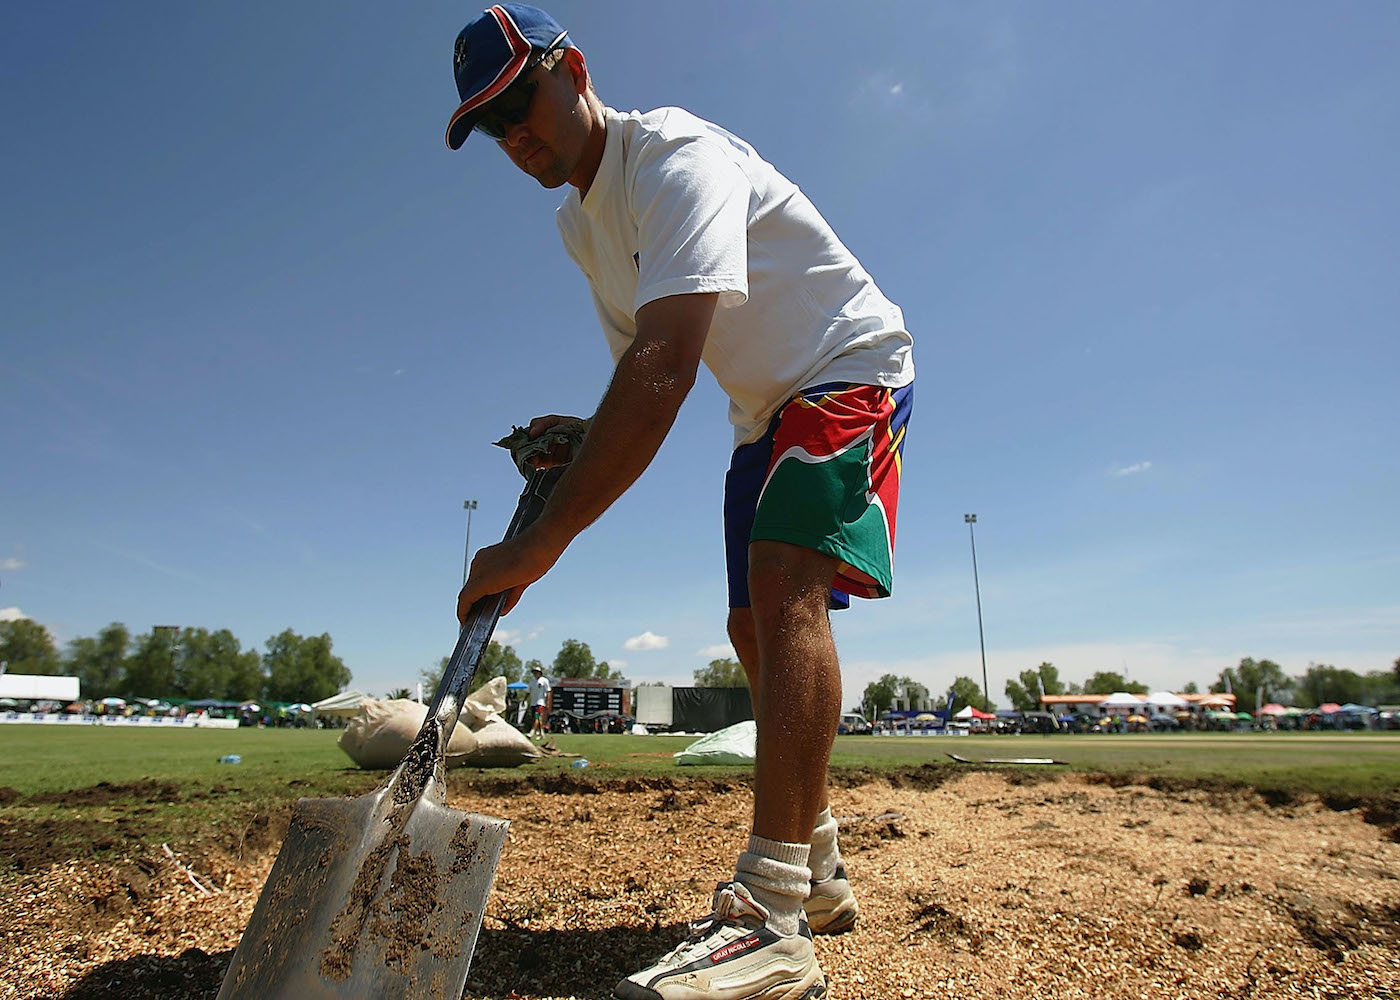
pixel 578 69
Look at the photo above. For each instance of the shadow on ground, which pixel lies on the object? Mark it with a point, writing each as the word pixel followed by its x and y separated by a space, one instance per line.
pixel 509 962
pixel 192 974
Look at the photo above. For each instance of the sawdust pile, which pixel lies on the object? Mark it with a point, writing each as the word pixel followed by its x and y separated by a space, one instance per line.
pixel 977 885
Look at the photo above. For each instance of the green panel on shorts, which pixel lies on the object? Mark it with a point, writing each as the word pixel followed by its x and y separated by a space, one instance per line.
pixel 822 506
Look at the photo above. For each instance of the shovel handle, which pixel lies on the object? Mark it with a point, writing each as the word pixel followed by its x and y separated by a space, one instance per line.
pixel 481 620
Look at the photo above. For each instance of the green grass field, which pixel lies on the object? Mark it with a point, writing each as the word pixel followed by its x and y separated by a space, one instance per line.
pixel 289 762
pixel 96 792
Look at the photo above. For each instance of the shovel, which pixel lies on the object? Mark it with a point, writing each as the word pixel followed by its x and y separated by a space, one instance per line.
pixel 383 895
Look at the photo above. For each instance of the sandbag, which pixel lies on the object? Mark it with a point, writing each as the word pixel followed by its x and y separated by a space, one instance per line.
pixel 379 736
pixel 499 744
pixel 736 745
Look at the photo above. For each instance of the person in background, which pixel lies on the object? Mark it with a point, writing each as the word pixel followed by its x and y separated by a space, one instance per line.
pixel 539 702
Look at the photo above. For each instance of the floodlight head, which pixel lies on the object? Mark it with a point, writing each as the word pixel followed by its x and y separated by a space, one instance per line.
pixel 969 518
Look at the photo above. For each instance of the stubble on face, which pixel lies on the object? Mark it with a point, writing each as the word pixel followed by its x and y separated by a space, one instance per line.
pixel 545 148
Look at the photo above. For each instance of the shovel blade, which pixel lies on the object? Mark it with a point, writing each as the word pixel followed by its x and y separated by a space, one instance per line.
pixel 369 899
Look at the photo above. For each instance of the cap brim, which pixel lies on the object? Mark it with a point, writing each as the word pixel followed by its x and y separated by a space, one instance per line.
pixel 463 120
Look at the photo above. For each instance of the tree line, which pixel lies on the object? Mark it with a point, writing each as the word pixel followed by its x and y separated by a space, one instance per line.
pixel 574 659
pixel 1319 684
pixel 190 663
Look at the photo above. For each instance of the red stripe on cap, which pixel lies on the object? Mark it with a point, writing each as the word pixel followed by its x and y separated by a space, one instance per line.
pixel 520 49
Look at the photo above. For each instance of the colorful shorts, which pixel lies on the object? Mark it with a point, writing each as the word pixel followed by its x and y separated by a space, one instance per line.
pixel 825 476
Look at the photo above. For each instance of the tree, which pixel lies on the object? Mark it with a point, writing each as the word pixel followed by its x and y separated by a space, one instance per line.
pixel 880 694
pixel 1380 687
pixel 206 663
pixel 1025 695
pixel 99 663
pixel 1323 683
pixel 400 694
pixel 724 673
pixel 967 691
pixel 1250 676
pixel 496 661
pixel 247 679
pixel 149 670
pixel 432 676
pixel 1107 682
pixel 1192 688
pixel 575 659
pixel 302 668
pixel 26 647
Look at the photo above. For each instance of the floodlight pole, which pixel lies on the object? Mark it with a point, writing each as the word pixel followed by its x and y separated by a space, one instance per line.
pixel 468 506
pixel 970 520
pixel 174 631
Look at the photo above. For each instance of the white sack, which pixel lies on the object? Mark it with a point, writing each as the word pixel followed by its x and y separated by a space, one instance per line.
pixel 379 736
pixel 735 745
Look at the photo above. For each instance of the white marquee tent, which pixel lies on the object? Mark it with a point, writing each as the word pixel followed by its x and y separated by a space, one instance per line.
pixel 347 703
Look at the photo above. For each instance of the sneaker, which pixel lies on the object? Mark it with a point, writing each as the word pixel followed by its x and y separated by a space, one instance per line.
pixel 830 905
pixel 732 955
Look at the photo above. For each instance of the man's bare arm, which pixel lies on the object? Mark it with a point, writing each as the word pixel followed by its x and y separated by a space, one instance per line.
pixel 648 386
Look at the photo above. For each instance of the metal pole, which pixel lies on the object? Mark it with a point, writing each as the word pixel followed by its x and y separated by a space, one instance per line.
pixel 971 519
pixel 468 506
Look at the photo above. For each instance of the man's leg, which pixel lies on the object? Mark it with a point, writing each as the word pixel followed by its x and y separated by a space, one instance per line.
pixel 799 688
pixel 831 906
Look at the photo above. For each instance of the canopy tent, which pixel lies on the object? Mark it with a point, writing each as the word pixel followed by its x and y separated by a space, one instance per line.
pixel 1273 709
pixel 1244 716
pixel 1122 699
pixel 968 712
pixel 1352 708
pixel 1165 699
pixel 1216 702
pixel 517 686
pixel 1137 718
pixel 925 717
pixel 347 703
pixel 1329 708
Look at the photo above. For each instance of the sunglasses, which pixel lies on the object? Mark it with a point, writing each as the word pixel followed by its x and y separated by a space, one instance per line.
pixel 512 106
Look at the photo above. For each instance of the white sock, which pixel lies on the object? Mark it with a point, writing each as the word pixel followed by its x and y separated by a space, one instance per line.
pixel 825 854
pixel 776 873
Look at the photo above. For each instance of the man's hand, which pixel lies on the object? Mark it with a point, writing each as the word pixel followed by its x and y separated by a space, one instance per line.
pixel 559 454
pixel 507 568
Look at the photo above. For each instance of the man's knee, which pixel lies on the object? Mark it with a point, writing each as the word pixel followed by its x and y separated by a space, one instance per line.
pixel 741 631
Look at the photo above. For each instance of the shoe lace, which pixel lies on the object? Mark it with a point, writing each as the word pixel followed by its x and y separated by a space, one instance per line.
pixel 732 917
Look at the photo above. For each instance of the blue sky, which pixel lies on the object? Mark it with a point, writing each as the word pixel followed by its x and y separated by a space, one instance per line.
pixel 260 327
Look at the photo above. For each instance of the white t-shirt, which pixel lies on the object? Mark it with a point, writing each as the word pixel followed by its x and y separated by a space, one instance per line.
pixel 681 206
pixel 539 690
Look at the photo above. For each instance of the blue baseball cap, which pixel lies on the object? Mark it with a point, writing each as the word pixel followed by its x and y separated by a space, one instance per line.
pixel 490 53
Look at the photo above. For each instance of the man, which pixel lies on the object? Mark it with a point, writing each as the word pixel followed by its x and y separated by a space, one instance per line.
pixel 696 249
pixel 539 700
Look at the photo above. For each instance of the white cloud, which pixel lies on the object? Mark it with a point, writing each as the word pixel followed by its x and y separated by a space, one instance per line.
pixel 617 664
pixel 897 89
pixel 505 636
pixel 1134 469
pixel 647 640
pixel 11 615
pixel 718 650
pixel 12 563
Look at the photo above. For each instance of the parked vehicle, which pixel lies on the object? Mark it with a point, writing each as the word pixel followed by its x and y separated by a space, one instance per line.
pixel 853 723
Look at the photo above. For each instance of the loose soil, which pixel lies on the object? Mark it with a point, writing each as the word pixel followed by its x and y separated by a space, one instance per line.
pixel 1014 884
